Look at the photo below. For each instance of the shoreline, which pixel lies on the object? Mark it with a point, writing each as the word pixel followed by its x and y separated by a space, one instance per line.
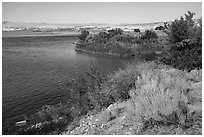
pixel 117 54
pixel 100 53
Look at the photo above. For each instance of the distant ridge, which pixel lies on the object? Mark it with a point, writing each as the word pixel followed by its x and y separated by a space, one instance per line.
pixel 34 24
pixel 37 24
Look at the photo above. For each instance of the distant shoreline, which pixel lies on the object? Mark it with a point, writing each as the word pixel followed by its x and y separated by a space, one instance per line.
pixel 37 34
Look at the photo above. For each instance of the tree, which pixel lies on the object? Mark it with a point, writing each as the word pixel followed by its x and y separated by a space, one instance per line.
pixel 149 34
pixel 136 30
pixel 185 38
pixel 83 35
pixel 182 29
pixel 114 32
pixel 159 28
pixel 165 25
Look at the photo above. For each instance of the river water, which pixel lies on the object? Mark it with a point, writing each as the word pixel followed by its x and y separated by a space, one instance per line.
pixel 33 67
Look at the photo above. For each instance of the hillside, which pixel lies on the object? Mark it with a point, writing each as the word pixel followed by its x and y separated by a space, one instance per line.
pixel 166 101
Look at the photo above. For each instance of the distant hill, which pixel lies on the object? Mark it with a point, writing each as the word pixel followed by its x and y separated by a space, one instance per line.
pixel 6 24
pixel 9 24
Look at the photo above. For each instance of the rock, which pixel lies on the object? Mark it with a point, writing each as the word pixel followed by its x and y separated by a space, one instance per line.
pixel 158 52
pixel 21 123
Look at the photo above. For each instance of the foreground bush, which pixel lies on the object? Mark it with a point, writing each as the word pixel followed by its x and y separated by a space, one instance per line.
pixel 119 84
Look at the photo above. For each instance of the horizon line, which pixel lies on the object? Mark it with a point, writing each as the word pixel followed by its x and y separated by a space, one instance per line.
pixel 83 23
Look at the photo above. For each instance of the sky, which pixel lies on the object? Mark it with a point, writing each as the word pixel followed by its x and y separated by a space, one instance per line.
pixel 98 12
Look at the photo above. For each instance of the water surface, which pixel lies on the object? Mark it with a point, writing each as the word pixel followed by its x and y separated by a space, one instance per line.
pixel 33 67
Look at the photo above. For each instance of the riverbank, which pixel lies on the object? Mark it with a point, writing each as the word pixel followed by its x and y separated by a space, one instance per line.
pixel 155 52
pixel 149 109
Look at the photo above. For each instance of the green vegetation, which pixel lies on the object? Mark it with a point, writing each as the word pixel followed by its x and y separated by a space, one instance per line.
pixel 160 28
pixel 116 42
pixel 149 34
pixel 185 38
pixel 83 35
pixel 182 45
pixel 136 30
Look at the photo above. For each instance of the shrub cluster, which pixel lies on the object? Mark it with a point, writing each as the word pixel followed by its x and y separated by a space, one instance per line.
pixel 115 42
pixel 149 98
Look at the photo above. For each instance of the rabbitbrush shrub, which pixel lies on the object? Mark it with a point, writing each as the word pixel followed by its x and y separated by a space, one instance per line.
pixel 118 84
pixel 162 97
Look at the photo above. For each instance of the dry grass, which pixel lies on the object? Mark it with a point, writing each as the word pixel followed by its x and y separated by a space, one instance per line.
pixel 162 100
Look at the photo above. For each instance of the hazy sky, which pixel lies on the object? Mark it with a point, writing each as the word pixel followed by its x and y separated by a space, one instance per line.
pixel 130 12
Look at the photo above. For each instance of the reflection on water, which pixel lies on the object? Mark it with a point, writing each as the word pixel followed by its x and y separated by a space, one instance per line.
pixel 33 67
